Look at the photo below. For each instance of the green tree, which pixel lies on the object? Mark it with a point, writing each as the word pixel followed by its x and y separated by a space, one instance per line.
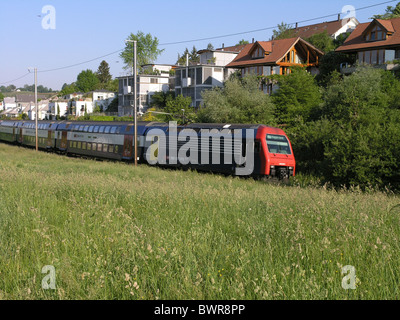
pixel 322 41
pixel 242 42
pixel 298 97
pixel 193 57
pixel 283 31
pixel 391 13
pixel 159 99
pixel 68 89
pixel 87 81
pixel 147 50
pixel 210 47
pixel 1 96
pixel 179 110
pixel 240 101
pixel 103 73
pixel 329 64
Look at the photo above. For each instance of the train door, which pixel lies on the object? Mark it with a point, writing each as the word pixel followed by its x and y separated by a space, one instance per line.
pixel 128 147
pixel 64 140
pixel 21 137
pixel 49 142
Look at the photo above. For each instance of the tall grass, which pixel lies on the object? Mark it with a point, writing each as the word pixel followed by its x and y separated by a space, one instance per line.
pixel 115 232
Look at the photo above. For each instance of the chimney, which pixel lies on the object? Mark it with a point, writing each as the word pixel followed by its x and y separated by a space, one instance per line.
pixel 223 47
pixel 253 40
pixel 338 17
pixel 297 24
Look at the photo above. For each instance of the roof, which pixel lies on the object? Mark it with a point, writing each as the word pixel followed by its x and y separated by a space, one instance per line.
pixel 277 48
pixel 331 27
pixel 357 42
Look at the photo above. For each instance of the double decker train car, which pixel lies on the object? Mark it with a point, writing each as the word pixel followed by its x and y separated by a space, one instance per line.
pixel 270 148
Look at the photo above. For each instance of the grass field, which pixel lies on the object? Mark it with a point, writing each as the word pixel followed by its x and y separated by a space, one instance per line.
pixel 115 232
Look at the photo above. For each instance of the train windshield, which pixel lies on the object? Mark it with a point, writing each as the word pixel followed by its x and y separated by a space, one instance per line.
pixel 278 144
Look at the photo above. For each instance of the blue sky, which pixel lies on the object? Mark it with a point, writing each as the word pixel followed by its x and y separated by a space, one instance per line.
pixel 87 29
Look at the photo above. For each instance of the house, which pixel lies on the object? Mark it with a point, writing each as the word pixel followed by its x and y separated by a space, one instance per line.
pixel 9 103
pixel 71 96
pixel 333 28
pixel 266 58
pixel 81 106
pixel 57 107
pixel 102 98
pixel 30 110
pixel 155 78
pixel 375 43
pixel 210 72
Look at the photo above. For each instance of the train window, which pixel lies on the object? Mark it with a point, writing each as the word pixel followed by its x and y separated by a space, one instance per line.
pixel 91 128
pixel 99 147
pixel 116 149
pixel 79 145
pixel 128 128
pixel 74 145
pixel 118 130
pixel 89 146
pixel 107 130
pixel 84 145
pixel 86 129
pixel 278 144
pixel 96 129
pixel 81 128
pixel 111 148
pixel 94 148
pixel 113 130
pixel 101 130
pixel 105 147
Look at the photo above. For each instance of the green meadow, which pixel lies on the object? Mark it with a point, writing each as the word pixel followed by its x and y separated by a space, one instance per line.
pixel 113 231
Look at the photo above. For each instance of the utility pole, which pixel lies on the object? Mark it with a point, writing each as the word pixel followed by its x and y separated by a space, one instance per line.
pixel 37 112
pixel 134 69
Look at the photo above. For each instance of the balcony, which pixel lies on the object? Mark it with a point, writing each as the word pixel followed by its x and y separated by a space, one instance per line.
pixel 346 68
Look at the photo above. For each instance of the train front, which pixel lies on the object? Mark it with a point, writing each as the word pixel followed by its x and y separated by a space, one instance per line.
pixel 279 160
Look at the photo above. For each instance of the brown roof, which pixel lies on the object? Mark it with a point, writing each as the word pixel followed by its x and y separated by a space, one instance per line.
pixel 233 48
pixel 356 40
pixel 277 49
pixel 331 27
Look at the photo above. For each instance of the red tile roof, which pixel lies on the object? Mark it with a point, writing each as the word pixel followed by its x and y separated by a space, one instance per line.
pixel 357 42
pixel 331 27
pixel 233 48
pixel 277 48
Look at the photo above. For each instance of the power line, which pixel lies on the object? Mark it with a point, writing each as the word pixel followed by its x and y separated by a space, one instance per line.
pixel 271 28
pixel 7 82
pixel 201 39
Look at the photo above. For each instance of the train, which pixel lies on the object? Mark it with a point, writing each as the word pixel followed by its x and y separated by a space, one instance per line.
pixel 245 150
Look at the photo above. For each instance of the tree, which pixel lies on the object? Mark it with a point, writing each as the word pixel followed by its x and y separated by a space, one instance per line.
pixel 159 99
pixel 210 47
pixel 1 96
pixel 193 57
pixel 391 12
pixel 284 31
pixel 147 50
pixel 87 81
pixel 329 64
pixel 179 110
pixel 240 101
pixel 322 41
pixel 242 42
pixel 298 97
pixel 103 72
pixel 68 89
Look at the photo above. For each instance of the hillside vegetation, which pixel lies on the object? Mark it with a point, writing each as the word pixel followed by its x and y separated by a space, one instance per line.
pixel 115 232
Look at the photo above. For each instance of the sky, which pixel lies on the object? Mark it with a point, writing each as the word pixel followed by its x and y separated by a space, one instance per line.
pixel 88 29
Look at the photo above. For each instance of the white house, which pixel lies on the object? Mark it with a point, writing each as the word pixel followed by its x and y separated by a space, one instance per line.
pixel 9 103
pixel 155 78
pixel 193 79
pixel 102 98
pixel 55 106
